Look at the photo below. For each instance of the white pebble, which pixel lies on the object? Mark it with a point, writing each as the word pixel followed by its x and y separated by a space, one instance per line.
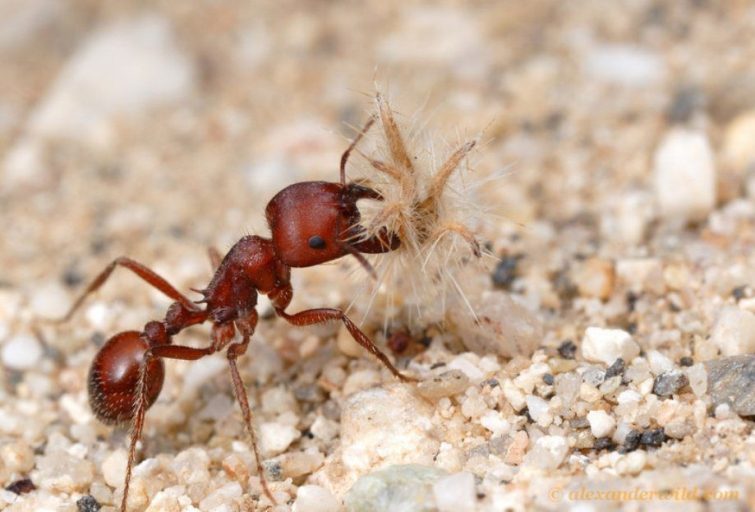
pixel 464 363
pixel 548 453
pixel 539 411
pixel 50 301
pixel 626 65
pixel 659 363
pixel 22 352
pixel 698 379
pixel 114 468
pixel 495 422
pixel 601 423
pixel 313 498
pixel 607 345
pixel 276 437
pixel 684 175
pixel 734 331
pixel 455 493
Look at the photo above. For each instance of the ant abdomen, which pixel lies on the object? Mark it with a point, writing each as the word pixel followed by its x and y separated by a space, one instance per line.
pixel 114 377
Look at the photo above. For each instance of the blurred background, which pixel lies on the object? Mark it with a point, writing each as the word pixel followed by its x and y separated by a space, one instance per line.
pixel 155 128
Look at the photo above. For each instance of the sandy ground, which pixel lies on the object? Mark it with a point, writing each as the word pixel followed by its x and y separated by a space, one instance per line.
pixel 618 144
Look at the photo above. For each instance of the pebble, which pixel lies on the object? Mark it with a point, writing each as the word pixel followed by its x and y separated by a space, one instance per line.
pixel 734 331
pixel 62 472
pixel 517 449
pixel 276 437
pixel 88 504
pixel 225 495
pixel 668 383
pixel 22 352
pixel 402 488
pixel 738 151
pixel 114 468
pixel 684 175
pixel 539 410
pixel 455 493
pixel 17 456
pixel 625 65
pixel 607 345
pixel 386 425
pixel 653 438
pixel 616 369
pixel 601 423
pixel 595 278
pixel 125 67
pixel 548 452
pixel 297 464
pixel 313 498
pixel 505 326
pixel 567 349
pixel 731 381
pixel 698 379
pixel 631 441
pixel 448 383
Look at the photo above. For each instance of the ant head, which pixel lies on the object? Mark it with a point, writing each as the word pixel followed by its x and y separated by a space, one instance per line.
pixel 314 222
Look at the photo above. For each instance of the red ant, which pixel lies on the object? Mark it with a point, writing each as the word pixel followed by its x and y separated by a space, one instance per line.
pixel 311 223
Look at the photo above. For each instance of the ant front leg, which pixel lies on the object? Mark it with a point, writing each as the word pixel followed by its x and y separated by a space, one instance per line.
pixel 321 315
pixel 147 274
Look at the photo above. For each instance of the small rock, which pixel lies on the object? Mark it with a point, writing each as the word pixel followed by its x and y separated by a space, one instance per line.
pixel 616 369
pixel 404 488
pixel 224 496
pixel 23 486
pixel 297 464
pixel 607 345
pixel 504 272
pixel 658 362
pixel 276 437
pixel 88 504
pixel 731 381
pixel 455 493
pixel 738 151
pixel 631 441
pixel 22 352
pixel 62 472
pixel 734 331
pixel 125 67
pixel 684 175
pixel 17 456
pixel 324 429
pixel 548 453
pixel 313 498
pixel 114 468
pixel 601 423
pixel 668 383
pixel 698 379
pixel 518 447
pixel 503 326
pixel 539 410
pixel 567 349
pixel 603 443
pixel 595 278
pixel 625 65
pixel 448 383
pixel 653 438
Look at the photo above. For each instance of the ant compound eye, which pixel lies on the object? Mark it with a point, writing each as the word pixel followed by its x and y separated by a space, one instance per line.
pixel 316 242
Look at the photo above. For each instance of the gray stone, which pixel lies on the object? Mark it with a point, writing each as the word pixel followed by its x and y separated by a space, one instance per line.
pixel 731 381
pixel 400 488
pixel 668 383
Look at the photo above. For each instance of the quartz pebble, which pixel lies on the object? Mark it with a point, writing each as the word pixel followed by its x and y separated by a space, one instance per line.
pixel 60 471
pixel 276 437
pixel 607 345
pixel 455 493
pixel 548 453
pixel 313 498
pixel 731 381
pixel 448 383
pixel 505 326
pixel 595 278
pixel 601 423
pixel 684 175
pixel 734 331
pixel 402 488
pixel 114 468
pixel 22 352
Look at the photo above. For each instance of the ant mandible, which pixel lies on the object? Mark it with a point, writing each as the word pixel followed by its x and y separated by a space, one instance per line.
pixel 311 223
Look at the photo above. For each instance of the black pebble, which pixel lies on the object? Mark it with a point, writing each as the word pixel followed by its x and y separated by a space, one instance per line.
pixel 22 486
pixel 653 437
pixel 631 441
pixel 617 368
pixel 603 443
pixel 567 349
pixel 686 361
pixel 548 379
pixel 88 504
pixel 505 272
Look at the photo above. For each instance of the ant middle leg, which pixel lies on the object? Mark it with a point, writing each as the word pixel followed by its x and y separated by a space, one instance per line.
pixel 321 315
pixel 144 272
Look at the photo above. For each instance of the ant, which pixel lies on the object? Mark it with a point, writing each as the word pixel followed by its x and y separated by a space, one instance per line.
pixel 310 223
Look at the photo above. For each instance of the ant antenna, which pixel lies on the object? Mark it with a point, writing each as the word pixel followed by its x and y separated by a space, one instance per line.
pixel 345 156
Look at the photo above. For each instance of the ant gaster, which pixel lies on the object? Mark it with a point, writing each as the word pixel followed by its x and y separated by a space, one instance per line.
pixel 310 223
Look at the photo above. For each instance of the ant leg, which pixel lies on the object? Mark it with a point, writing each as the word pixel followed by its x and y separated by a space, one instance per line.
pixel 234 351
pixel 320 315
pixel 148 275
pixel 345 156
pixel 160 351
